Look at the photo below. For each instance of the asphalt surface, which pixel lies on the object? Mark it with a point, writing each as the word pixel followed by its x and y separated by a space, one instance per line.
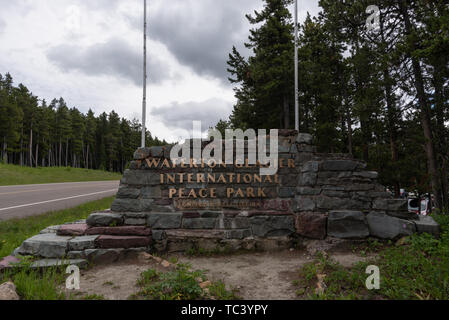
pixel 29 200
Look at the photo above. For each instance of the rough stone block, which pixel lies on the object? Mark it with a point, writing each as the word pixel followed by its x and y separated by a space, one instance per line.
pixel 123 205
pixel 120 231
pixel 287 192
pixel 390 204
pixel 385 227
pixel 185 234
pixel 308 191
pixel 311 225
pixel 103 255
pixel 72 229
pixel 82 243
pixel 304 203
pixel 311 166
pixel 140 178
pixel 367 174
pixel 159 235
pixel 104 219
pixel 339 165
pixel 272 226
pixel 51 263
pixel 307 179
pixel 347 224
pixel 141 153
pixel 426 224
pixel 165 220
pixel 8 262
pixel 45 245
pixel 122 242
pixel 233 223
pixel 304 138
pixel 51 229
pixel 238 234
pixel 125 192
pixel 199 223
pixel 152 192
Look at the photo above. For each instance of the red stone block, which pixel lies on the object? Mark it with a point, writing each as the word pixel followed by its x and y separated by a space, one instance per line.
pixel 120 231
pixel 8 261
pixel 122 242
pixel 311 225
pixel 72 229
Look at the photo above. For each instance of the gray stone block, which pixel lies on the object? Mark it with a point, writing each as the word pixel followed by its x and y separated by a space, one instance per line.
pixel 141 153
pixel 51 229
pixel 233 223
pixel 45 245
pixel 367 174
pixel 304 138
pixel 287 192
pixel 151 192
pixel 105 219
pixel 339 165
pixel 140 178
pixel 308 191
pixel 165 220
pixel 311 166
pixel 123 205
pixel 82 243
pixel 199 223
pixel 272 226
pixel 304 203
pixel 426 224
pixel 103 255
pixel 159 235
pixel 347 224
pixel 238 234
pixel 128 192
pixel 51 263
pixel 385 227
pixel 390 204
pixel 307 179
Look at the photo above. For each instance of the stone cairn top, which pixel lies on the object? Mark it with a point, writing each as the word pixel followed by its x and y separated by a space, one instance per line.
pixel 164 208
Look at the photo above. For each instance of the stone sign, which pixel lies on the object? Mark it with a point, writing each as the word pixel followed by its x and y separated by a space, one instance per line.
pixel 166 205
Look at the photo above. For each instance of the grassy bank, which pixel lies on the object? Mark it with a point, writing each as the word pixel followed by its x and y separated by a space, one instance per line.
pixel 17 175
pixel 417 269
pixel 14 232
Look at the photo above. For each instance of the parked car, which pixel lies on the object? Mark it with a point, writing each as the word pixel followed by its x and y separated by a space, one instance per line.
pixel 419 206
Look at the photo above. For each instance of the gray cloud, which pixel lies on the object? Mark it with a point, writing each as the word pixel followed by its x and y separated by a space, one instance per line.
pixel 114 58
pixel 180 115
pixel 200 35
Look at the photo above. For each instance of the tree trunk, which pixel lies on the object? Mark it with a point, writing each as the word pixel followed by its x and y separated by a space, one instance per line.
pixel 424 113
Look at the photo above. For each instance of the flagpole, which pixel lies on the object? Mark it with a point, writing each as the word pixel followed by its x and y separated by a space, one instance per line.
pixel 144 101
pixel 296 69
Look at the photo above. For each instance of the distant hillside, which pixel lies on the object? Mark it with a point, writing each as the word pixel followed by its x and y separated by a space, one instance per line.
pixel 17 175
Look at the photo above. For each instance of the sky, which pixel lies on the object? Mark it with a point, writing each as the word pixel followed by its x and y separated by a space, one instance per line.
pixel 90 53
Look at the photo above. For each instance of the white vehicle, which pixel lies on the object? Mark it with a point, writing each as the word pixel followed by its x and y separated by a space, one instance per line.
pixel 419 207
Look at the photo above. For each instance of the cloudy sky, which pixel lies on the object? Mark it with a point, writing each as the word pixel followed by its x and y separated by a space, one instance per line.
pixel 90 53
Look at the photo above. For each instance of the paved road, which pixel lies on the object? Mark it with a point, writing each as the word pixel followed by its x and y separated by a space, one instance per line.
pixel 29 200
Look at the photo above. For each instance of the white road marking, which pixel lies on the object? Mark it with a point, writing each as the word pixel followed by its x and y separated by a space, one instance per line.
pixel 56 200
pixel 58 183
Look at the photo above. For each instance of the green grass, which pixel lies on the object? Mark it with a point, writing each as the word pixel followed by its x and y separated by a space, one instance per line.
pixel 14 232
pixel 180 284
pixel 17 175
pixel 418 270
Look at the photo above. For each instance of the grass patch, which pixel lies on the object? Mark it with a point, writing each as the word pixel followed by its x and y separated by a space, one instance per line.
pixel 418 270
pixel 35 284
pixel 17 175
pixel 180 284
pixel 14 232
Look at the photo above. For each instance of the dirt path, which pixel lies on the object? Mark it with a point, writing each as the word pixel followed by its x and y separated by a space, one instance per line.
pixel 255 276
